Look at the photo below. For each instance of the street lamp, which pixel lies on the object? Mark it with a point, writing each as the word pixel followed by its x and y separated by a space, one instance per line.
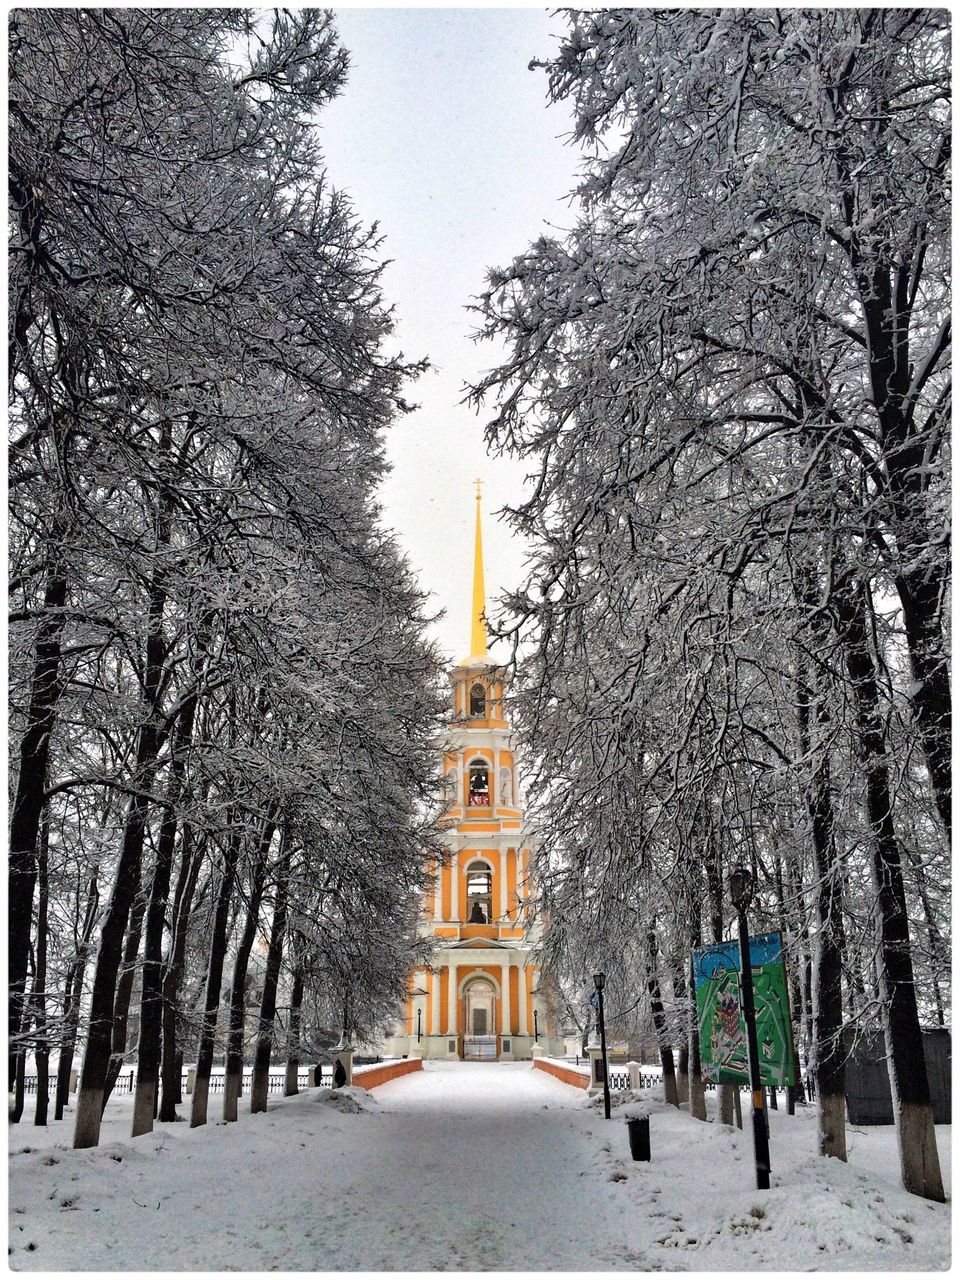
pixel 598 981
pixel 740 881
pixel 419 1015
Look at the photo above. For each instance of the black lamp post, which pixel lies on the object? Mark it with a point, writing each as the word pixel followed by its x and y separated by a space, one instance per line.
pixel 419 1015
pixel 598 980
pixel 740 881
pixel 536 1027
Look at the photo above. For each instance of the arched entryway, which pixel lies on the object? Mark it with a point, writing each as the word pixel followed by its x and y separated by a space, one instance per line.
pixel 480 996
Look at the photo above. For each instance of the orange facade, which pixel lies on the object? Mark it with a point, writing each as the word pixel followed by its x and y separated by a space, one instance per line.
pixel 480 986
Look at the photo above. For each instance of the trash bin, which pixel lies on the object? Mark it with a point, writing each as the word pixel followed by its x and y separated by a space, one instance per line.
pixel 638 1131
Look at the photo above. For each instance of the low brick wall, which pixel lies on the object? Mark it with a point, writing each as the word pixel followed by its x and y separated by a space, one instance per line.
pixel 579 1079
pixel 370 1077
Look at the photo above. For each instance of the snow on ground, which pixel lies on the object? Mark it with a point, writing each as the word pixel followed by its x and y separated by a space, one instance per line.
pixel 463 1167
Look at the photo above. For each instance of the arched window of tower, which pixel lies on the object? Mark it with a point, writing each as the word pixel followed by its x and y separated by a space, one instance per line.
pixel 479 783
pixel 479 893
pixel 506 786
pixel 478 701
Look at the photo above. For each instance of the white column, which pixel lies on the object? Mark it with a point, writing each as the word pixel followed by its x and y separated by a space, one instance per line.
pixel 438 895
pixel 505 987
pixel 523 1001
pixel 454 887
pixel 451 999
pixel 503 883
pixel 435 1003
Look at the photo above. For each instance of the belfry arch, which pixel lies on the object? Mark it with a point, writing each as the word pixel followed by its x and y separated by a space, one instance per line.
pixel 479 876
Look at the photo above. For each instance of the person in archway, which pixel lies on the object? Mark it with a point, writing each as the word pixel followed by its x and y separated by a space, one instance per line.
pixel 339 1074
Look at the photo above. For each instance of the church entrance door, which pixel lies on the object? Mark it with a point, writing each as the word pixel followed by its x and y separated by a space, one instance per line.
pixel 480 1006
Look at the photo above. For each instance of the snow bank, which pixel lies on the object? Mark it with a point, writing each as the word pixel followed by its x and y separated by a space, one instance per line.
pixel 350 1099
pixel 463 1167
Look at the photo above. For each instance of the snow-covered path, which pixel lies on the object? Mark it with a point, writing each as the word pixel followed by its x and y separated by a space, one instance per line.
pixel 480 1166
pixel 447 1170
pixel 463 1167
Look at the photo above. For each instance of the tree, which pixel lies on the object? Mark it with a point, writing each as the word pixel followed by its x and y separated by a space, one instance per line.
pixel 730 377
pixel 200 390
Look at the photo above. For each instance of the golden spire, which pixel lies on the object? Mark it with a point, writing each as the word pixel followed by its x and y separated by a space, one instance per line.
pixel 478 629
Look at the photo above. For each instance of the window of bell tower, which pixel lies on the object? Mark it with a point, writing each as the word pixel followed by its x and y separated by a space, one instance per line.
pixel 479 893
pixel 479 783
pixel 478 701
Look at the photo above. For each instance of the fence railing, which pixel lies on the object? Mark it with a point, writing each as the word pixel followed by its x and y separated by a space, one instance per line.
pixel 276 1081
pixel 125 1082
pixel 619 1078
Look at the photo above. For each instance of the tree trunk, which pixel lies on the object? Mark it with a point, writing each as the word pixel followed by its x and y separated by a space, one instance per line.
pixel 920 598
pixel 260 1084
pixel 828 1051
pixel 40 981
pixel 151 989
pixel 923 562
pixel 808 1019
pixel 725 1107
pixel 72 995
pixel 233 1078
pixel 46 689
pixel 73 991
pixel 217 954
pixel 19 1083
pixel 913 1113
pixel 795 1091
pixel 151 996
pixel 96 1059
pixel 292 1082
pixel 660 1025
pixel 171 1060
pixel 683 1055
pixel 698 1101
pixel 107 999
pixel 121 1004
pixel 939 951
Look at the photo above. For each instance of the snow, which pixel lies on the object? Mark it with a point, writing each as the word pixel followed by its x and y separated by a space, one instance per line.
pixel 462 1167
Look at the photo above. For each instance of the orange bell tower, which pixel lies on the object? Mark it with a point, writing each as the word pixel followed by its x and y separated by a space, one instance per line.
pixel 479 998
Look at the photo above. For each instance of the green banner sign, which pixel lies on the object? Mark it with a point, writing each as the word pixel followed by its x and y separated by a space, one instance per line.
pixel 723 1039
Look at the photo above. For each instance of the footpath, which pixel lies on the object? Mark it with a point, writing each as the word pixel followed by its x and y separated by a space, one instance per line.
pixel 460 1167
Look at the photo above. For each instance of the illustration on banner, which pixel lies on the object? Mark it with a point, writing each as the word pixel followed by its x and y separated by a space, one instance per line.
pixel 723 1042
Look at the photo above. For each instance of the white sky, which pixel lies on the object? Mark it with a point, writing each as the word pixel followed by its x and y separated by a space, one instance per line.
pixel 443 136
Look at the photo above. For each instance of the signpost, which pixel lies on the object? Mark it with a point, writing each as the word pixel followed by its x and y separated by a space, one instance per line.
pixel 720 1022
